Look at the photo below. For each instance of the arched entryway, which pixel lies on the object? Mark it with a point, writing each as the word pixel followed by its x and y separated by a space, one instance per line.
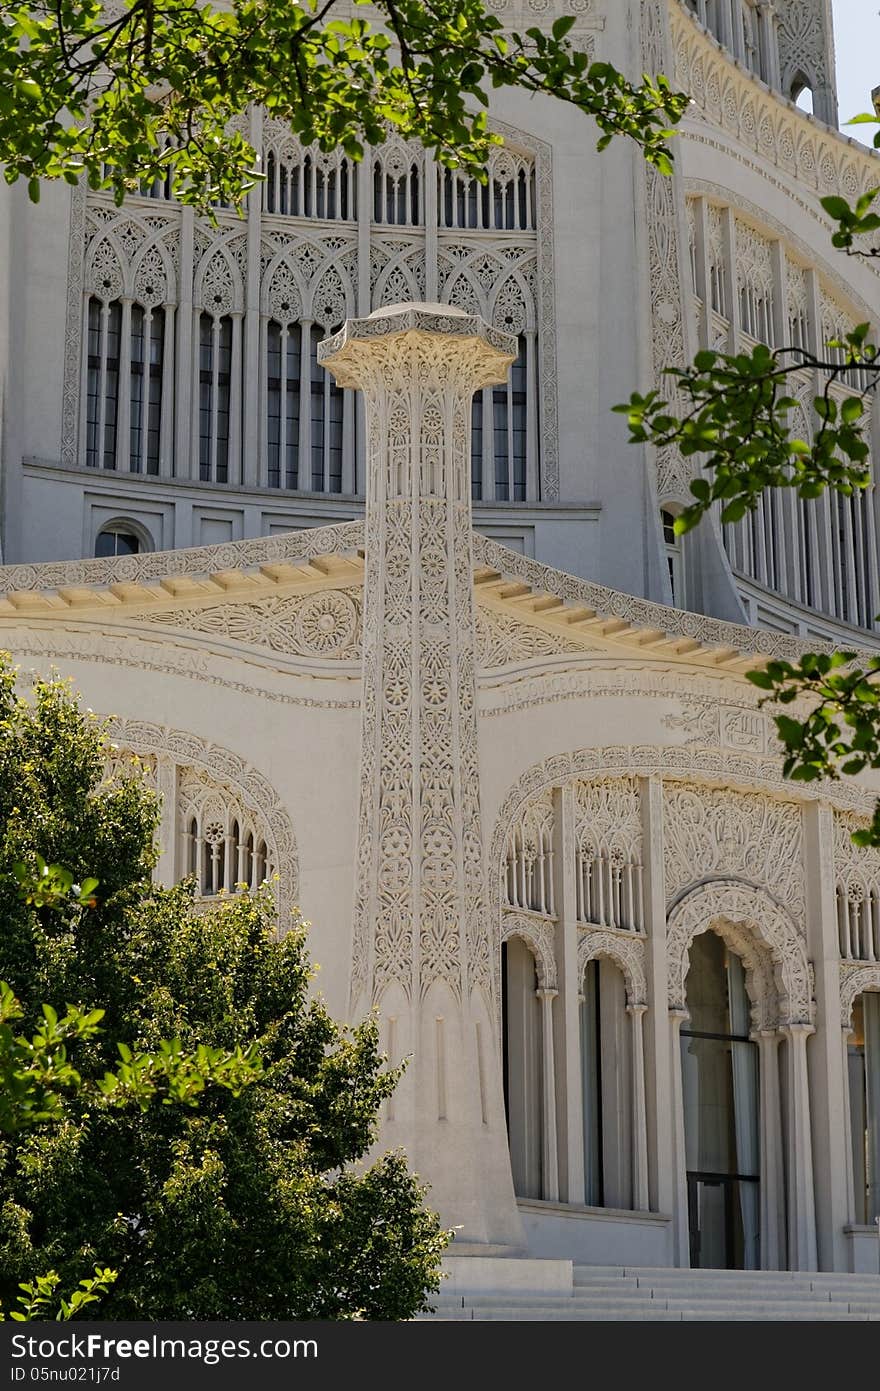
pixel 741 1012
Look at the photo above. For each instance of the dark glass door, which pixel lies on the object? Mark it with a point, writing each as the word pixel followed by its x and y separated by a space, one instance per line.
pixel 719 1064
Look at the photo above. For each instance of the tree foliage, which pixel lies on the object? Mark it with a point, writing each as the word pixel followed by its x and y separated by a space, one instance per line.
pixel 259 1202
pixel 736 422
pixel 148 88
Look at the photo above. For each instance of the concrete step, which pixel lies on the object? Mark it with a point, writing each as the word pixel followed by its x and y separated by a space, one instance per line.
pixel 745 1289
pixel 588 1274
pixel 629 1293
pixel 651 1313
pixel 607 1301
pixel 610 1301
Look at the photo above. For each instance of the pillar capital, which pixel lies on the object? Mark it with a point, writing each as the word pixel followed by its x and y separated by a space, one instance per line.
pixel 418 366
pixel 386 340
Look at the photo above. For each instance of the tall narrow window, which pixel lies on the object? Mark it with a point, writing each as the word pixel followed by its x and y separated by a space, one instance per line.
pixel 396 191
pixel 215 376
pixel 477 447
pixel 509 407
pixel 863 1059
pixel 102 391
pixel 523 1067
pixel 283 367
pixel 719 1065
pixel 147 340
pixel 606 1071
pixel 326 423
pixel 674 557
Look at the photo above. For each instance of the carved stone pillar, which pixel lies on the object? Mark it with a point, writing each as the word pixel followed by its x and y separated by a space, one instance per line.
pixel 681 1238
pixel 801 1197
pixel 550 1157
pixel 641 1201
pixel 423 942
pixel 848 1173
pixel 771 1157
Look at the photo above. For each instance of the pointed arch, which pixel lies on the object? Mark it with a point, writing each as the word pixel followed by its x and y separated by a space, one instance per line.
pixel 778 974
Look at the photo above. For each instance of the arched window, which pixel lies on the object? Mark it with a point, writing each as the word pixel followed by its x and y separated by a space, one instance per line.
pixel 222 847
pixel 215 377
pixel 505 202
pixel 126 350
pixel 719 1065
pixel 397 187
pixel 523 1067
pixel 283 388
pixel 606 1075
pixel 863 1065
pixel 528 870
pixel 308 183
pixel 117 539
pixel 858 919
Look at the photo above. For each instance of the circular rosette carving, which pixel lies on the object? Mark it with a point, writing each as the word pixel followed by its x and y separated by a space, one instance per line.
pixel 105 273
pixel 151 282
pixel 328 623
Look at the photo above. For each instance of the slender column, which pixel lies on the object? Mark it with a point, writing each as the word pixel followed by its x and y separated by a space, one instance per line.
pixel 570 1101
pixel 305 407
pixel 84 386
pixel 848 1175
pixel 772 1252
pixel 725 23
pixel 829 1128
pixel 166 409
pixel 194 451
pixel 364 177
pixel 235 390
pixel 769 44
pixel 662 1066
pixel 123 412
pixel 532 481
pixel 639 1126
pixel 801 1199
pixel 728 228
pixel 185 464
pixel 254 369
pixel 677 1017
pixel 422 932
pixel 703 289
pixel 429 202
pixel 550 1156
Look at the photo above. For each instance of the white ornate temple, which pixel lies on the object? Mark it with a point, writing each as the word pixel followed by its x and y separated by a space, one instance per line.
pixel 327 507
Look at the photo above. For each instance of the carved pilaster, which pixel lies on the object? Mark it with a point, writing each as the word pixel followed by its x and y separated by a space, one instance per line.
pixel 421 929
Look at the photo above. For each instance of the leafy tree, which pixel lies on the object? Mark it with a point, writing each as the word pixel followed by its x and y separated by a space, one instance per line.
pixel 259 1202
pixel 149 90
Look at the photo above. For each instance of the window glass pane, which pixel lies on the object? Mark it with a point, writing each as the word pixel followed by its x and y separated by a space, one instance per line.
pixel 110 543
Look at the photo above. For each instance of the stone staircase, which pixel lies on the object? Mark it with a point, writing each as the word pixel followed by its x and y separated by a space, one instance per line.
pixel 611 1293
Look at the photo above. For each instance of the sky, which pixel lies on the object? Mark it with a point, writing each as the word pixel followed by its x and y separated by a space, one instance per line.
pixel 857 39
